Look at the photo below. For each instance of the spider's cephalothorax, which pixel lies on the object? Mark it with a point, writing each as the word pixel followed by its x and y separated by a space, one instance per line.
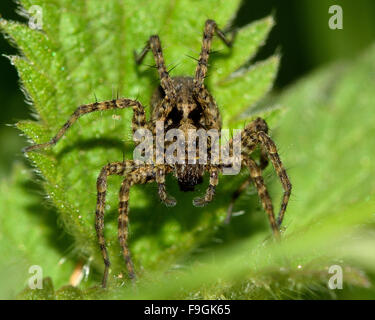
pixel 187 112
pixel 180 103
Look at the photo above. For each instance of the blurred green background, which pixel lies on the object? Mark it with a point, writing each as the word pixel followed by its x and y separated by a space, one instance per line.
pixel 301 34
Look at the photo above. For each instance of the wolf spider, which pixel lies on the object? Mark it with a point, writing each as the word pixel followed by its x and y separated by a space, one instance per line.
pixel 184 103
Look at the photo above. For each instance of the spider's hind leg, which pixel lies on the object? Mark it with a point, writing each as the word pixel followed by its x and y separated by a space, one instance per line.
pixel 115 168
pixel 270 147
pixel 255 133
pixel 140 175
pixel 123 222
pixel 256 176
pixel 263 163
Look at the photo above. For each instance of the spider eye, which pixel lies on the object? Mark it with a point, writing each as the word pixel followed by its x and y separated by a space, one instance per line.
pixel 196 114
pixel 175 115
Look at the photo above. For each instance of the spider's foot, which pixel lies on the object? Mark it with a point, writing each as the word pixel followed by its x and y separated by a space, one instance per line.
pixel 105 277
pixel 169 201
pixel 30 148
pixel 38 146
pixel 25 150
pixel 200 202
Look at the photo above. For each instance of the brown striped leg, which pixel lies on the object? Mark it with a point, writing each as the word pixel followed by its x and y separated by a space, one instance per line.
pixel 200 73
pixel 256 176
pixel 263 163
pixel 270 147
pixel 165 80
pixel 123 222
pixel 210 192
pixel 139 117
pixel 235 196
pixel 139 176
pixel 168 200
pixel 115 168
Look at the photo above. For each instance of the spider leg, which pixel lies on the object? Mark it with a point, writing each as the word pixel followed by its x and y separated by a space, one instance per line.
pixel 166 82
pixel 168 200
pixel 256 176
pixel 210 29
pixel 123 222
pixel 139 117
pixel 210 192
pixel 271 149
pixel 115 168
pixel 263 163
pixel 139 176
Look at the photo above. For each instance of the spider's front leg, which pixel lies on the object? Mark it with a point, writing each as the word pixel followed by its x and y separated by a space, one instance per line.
pixel 139 117
pixel 210 110
pixel 166 82
pixel 210 192
pixel 210 29
pixel 115 168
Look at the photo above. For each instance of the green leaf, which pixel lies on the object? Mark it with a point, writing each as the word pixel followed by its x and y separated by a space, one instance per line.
pixel 330 153
pixel 250 37
pixel 47 292
pixel 29 235
pixel 86 50
pixel 248 87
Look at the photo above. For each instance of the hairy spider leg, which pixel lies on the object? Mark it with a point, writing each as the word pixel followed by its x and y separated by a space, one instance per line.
pixel 210 29
pixel 115 168
pixel 270 146
pixel 141 175
pixel 255 133
pixel 210 192
pixel 139 118
pixel 154 45
pixel 263 163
